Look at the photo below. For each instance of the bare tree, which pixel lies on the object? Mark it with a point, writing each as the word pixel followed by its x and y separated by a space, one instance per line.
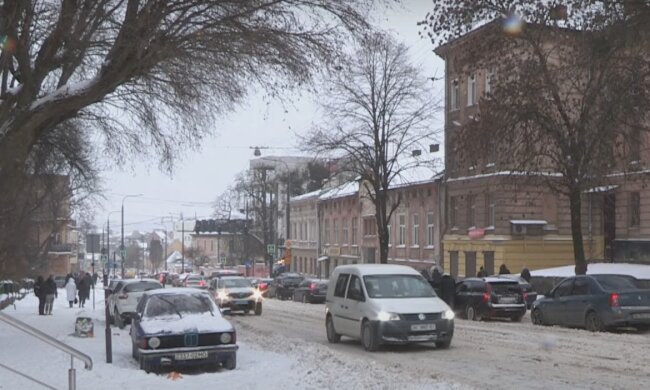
pixel 379 109
pixel 569 96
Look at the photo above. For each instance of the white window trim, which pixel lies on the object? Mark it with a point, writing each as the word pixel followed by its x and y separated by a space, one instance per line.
pixel 471 83
pixel 454 92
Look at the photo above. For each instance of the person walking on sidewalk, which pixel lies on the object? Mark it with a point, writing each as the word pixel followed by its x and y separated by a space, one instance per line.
pixel 85 282
pixel 39 291
pixel 50 294
pixel 71 291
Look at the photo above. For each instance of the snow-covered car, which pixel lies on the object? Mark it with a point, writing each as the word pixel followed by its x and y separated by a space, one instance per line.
pixel 181 327
pixel 125 299
pixel 236 293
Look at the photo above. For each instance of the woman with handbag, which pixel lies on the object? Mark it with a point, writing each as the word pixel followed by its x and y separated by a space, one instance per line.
pixel 71 291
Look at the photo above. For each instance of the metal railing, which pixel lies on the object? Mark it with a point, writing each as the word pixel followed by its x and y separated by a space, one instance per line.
pixel 74 353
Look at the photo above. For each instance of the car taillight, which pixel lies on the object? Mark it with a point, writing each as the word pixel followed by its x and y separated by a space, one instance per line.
pixel 123 296
pixel 486 297
pixel 525 297
pixel 613 300
pixel 202 283
pixel 263 286
pixel 312 286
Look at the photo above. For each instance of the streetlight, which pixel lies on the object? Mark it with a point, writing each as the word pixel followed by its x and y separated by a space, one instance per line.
pixel 122 242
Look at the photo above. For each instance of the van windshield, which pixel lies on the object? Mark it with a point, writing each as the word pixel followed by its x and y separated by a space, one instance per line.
pixel 397 286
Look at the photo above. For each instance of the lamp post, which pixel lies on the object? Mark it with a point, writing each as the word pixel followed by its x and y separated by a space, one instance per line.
pixel 122 241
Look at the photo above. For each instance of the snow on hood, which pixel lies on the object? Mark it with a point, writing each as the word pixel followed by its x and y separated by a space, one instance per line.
pixel 190 323
pixel 412 305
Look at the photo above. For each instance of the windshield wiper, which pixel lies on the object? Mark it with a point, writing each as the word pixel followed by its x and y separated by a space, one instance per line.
pixel 172 304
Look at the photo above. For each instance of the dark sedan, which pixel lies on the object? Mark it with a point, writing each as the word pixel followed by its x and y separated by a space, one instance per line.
pixel 283 285
pixel 311 290
pixel 181 327
pixel 595 302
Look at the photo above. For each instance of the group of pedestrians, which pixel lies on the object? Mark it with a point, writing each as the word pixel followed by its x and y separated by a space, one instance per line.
pixel 77 288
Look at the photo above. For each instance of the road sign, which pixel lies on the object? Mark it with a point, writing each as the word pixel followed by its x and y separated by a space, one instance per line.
pixel 92 243
pixel 270 249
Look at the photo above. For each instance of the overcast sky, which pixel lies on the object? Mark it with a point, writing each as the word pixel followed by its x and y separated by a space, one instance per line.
pixel 200 176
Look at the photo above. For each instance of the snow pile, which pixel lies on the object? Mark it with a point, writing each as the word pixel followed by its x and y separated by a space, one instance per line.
pixel 638 271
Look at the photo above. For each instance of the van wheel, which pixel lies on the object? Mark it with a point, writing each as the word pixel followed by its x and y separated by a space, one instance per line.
pixel 258 309
pixel 332 336
pixel 443 344
pixel 369 337
pixel 593 322
pixel 471 314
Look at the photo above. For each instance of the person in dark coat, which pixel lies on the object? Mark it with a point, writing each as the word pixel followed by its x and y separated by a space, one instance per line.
pixel 85 282
pixel 436 279
pixel 50 291
pixel 525 274
pixel 448 289
pixel 503 270
pixel 39 291
pixel 481 273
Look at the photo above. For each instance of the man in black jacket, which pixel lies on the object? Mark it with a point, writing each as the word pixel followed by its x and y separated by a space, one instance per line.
pixel 39 291
pixel 49 289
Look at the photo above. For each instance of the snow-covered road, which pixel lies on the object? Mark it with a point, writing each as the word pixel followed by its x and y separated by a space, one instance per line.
pixel 483 354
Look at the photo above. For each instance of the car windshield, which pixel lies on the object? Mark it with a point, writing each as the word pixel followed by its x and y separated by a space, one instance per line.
pixel 505 288
pixel 397 286
pixel 615 283
pixel 141 286
pixel 164 305
pixel 230 283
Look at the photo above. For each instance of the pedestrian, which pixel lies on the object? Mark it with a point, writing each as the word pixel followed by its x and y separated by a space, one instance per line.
pixel 448 290
pixel 503 270
pixel 39 291
pixel 85 281
pixel 525 274
pixel 71 291
pixel 51 293
pixel 481 273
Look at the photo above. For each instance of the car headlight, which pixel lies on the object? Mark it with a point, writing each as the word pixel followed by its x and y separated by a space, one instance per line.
pixel 257 295
pixel 154 342
pixel 225 338
pixel 222 295
pixel 448 314
pixel 386 316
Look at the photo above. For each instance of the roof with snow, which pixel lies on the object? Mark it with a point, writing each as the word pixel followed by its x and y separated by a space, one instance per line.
pixel 639 271
pixel 345 189
pixel 308 195
pixel 416 175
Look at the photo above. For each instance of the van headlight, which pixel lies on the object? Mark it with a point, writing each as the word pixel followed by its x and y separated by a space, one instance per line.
pixel 448 314
pixel 386 316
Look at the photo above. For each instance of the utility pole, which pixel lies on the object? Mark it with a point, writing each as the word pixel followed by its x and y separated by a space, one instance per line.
pixel 182 244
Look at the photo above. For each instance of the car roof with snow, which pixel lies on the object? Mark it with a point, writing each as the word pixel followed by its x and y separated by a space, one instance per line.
pixel 129 281
pixel 378 269
pixel 176 291
pixel 496 279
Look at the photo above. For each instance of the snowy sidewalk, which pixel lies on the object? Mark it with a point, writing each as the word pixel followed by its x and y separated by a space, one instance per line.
pixel 310 366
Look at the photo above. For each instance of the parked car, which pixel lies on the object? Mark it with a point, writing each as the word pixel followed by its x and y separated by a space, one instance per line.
pixel 261 284
pixel 181 327
pixel 236 293
pixel 595 302
pixel 179 282
pixel 196 281
pixel 385 304
pixel 60 281
pixel 283 285
pixel 311 290
pixel 490 297
pixel 125 299
pixel 530 295
pixel 225 272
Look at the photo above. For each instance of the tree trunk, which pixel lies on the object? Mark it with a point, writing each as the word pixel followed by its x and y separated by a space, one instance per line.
pixel 576 231
pixel 382 228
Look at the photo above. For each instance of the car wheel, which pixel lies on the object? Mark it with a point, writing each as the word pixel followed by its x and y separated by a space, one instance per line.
pixel 443 344
pixel 537 317
pixel 593 322
pixel 247 311
pixel 117 319
pixel 231 363
pixel 471 313
pixel 369 337
pixel 145 365
pixel 258 309
pixel 332 336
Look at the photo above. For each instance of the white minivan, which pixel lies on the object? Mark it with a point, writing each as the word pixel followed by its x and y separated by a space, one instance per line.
pixel 385 304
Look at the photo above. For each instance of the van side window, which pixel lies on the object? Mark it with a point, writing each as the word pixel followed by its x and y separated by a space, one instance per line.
pixel 341 284
pixel 354 291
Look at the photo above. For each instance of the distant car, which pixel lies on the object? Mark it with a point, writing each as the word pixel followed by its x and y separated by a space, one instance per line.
pixel 261 284
pixel 283 285
pixel 60 281
pixel 181 327
pixel 490 297
pixel 126 297
pixel 225 272
pixel 236 293
pixel 179 282
pixel 311 291
pixel 530 295
pixel 196 281
pixel 595 302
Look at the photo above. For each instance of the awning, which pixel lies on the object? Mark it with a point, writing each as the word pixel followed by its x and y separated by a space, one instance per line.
pixel 601 189
pixel 323 258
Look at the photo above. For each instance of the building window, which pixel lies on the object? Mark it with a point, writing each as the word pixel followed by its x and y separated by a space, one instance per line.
pixel 453 212
pixel 635 145
pixel 471 210
pixel 488 83
pixel 454 95
pixel 430 229
pixel 490 206
pixel 346 231
pixel 390 234
pixel 471 90
pixel 635 209
pixel 354 230
pixel 335 231
pixel 369 227
pixel 326 231
pixel 402 229
pixel 416 230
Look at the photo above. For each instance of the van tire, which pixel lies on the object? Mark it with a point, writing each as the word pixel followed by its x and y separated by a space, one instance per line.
pixel 258 309
pixel 369 337
pixel 332 336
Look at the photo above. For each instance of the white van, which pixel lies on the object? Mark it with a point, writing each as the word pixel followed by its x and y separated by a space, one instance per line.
pixel 385 304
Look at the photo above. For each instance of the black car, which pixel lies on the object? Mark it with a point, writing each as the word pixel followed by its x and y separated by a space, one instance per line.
pixel 490 297
pixel 530 295
pixel 283 285
pixel 311 290
pixel 181 327
pixel 595 302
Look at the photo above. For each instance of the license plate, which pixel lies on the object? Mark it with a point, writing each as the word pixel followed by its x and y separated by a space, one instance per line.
pixel 419 327
pixel 191 355
pixel 423 338
pixel 241 302
pixel 641 316
pixel 507 300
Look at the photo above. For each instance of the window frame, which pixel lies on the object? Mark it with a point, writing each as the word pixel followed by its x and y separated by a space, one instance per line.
pixel 454 94
pixel 634 208
pixel 471 90
pixel 430 230
pixel 401 239
pixel 415 233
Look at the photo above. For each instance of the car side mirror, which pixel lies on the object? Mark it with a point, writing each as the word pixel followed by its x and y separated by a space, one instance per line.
pixel 136 317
